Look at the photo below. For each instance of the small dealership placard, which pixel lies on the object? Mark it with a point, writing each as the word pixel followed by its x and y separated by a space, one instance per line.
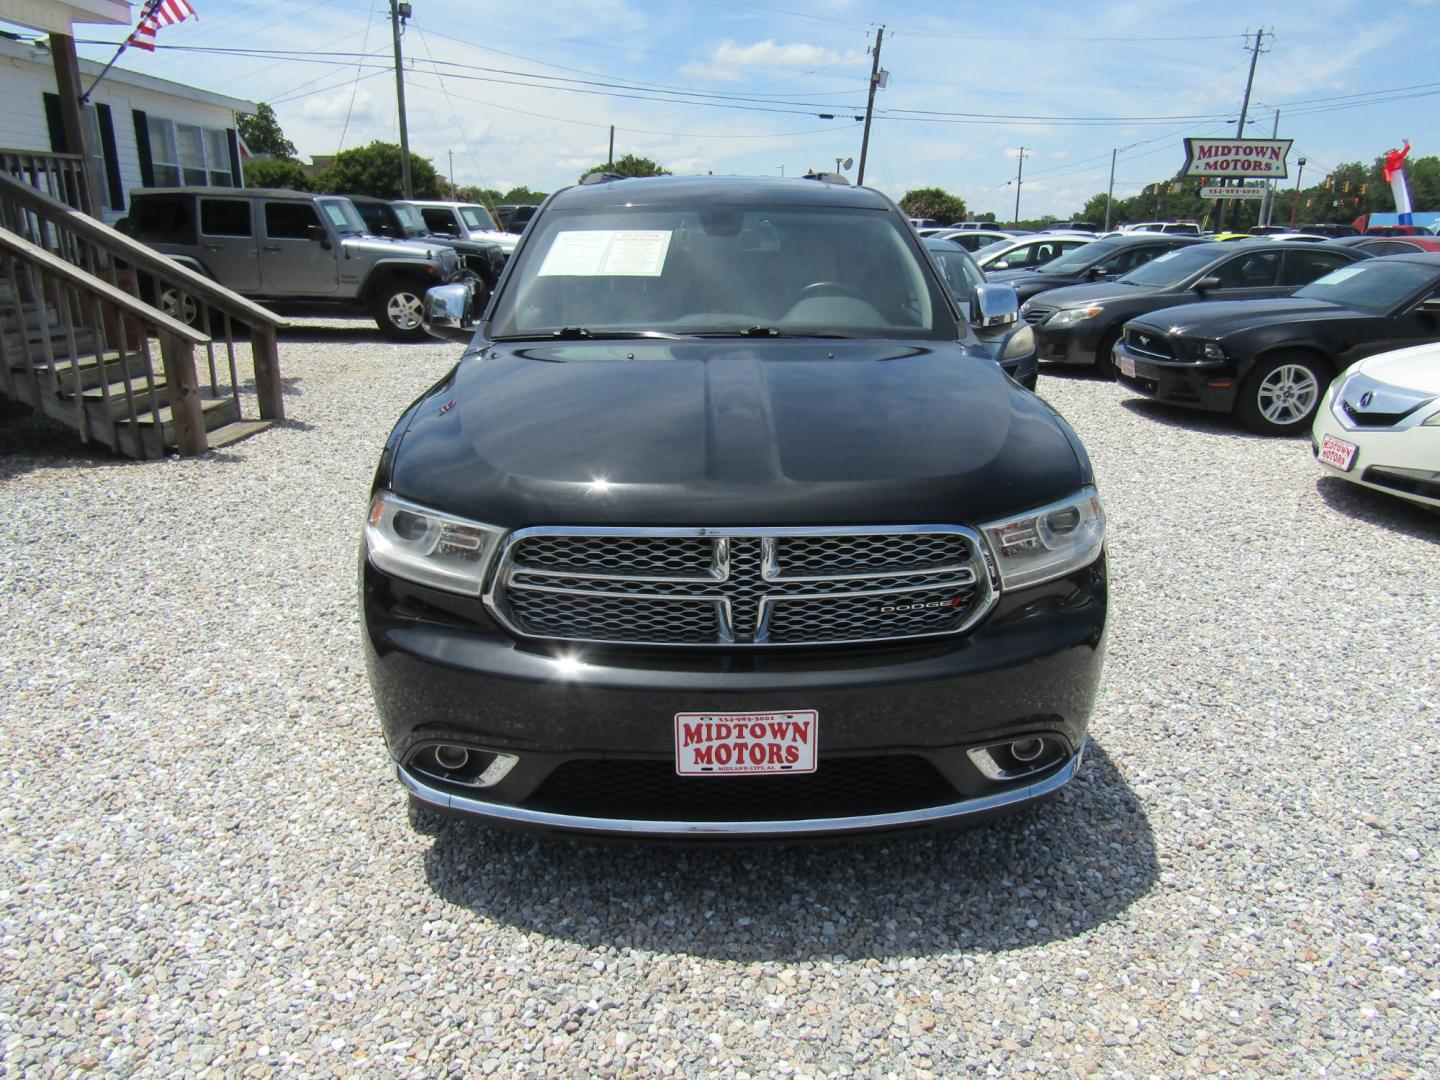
pixel 1243 191
pixel 1237 157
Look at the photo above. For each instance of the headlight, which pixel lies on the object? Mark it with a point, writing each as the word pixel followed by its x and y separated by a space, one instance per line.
pixel 1020 343
pixel 1069 316
pixel 427 547
pixel 1210 350
pixel 1047 543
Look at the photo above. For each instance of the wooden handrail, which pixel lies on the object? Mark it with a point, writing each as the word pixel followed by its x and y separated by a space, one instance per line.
pixel 135 253
pixel 99 288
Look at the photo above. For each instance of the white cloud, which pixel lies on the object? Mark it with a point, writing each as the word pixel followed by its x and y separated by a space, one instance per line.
pixel 728 59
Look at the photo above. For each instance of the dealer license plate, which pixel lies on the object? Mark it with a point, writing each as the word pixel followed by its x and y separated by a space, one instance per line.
pixel 719 744
pixel 1127 364
pixel 1337 452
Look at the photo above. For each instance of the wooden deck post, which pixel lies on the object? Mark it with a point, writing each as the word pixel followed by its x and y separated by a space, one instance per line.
pixel 183 388
pixel 268 388
pixel 77 132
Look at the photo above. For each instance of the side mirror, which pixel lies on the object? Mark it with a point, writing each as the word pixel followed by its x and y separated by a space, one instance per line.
pixel 1205 284
pixel 317 233
pixel 449 312
pixel 1003 264
pixel 1095 273
pixel 1430 305
pixel 993 305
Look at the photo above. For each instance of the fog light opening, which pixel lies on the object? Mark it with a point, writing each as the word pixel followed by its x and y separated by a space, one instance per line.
pixel 454 763
pixel 1027 750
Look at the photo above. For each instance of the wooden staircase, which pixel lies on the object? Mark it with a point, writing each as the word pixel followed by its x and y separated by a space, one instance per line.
pixel 80 344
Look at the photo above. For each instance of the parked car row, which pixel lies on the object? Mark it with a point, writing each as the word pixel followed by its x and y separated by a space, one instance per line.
pixel 299 253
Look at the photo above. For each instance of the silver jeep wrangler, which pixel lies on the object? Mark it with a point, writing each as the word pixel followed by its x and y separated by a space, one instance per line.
pixel 296 253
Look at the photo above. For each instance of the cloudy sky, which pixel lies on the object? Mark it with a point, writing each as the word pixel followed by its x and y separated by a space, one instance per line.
pixel 525 93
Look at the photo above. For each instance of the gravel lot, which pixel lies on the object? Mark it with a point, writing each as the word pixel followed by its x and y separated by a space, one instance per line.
pixel 206 867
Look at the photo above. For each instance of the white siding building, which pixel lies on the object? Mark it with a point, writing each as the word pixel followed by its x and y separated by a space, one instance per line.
pixel 146 132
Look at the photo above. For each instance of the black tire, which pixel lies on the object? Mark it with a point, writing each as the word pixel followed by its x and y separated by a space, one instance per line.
pixel 1281 395
pixel 396 308
pixel 1105 354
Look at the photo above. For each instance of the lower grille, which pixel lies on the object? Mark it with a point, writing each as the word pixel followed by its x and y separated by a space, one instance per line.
pixel 650 790
pixel 1149 343
pixel 741 587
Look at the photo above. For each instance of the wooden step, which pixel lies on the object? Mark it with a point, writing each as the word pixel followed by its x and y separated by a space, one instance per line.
pixel 108 400
pixel 59 345
pixel 155 433
pixel 88 372
pixel 233 432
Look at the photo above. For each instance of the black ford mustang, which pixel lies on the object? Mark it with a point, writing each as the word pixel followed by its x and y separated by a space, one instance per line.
pixel 1268 362
pixel 727 524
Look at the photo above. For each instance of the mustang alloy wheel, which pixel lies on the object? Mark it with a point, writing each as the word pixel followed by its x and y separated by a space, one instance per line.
pixel 1281 395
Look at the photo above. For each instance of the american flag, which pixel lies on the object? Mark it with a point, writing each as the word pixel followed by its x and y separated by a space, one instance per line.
pixel 159 13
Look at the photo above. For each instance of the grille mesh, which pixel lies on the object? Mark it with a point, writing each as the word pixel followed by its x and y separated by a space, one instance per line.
pixel 650 790
pixel 768 588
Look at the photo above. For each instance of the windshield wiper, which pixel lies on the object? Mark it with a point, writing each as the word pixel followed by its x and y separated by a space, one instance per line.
pixel 580 333
pixel 770 332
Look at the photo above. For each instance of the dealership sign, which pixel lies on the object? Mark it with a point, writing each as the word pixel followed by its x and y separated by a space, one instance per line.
pixel 1243 191
pixel 1236 157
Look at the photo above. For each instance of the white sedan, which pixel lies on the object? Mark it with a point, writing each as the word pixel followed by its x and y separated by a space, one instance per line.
pixel 1379 424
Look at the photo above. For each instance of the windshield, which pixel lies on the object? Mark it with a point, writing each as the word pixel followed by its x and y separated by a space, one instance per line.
pixel 1375 286
pixel 1171 268
pixel 477 217
pixel 410 219
pixel 787 270
pixel 343 215
pixel 1080 257
pixel 960 273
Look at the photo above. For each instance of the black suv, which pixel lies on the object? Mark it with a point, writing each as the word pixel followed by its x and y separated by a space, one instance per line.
pixel 297 253
pixel 727 525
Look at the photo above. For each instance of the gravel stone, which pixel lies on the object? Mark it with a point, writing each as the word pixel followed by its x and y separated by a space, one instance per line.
pixel 206 867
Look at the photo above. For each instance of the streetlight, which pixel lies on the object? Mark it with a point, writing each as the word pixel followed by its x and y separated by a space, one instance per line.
pixel 1295 209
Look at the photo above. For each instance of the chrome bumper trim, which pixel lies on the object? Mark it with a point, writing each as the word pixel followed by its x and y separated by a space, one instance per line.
pixel 802 827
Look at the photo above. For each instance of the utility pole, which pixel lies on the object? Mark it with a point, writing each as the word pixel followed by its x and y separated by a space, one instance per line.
pixel 1019 176
pixel 1295 206
pixel 400 11
pixel 451 155
pixel 1244 109
pixel 1110 191
pixel 610 157
pixel 1267 206
pixel 870 104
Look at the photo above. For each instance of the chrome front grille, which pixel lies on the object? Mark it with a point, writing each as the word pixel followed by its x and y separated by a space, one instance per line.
pixel 741 586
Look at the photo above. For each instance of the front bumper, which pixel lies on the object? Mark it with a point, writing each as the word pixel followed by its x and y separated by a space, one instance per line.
pixel 1211 387
pixel 592 730
pixel 1402 460
pixel 1074 344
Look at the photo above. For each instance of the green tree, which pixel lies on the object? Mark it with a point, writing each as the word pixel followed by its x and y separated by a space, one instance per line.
pixel 375 170
pixel 262 134
pixel 470 193
pixel 523 195
pixel 629 165
pixel 934 203
pixel 277 173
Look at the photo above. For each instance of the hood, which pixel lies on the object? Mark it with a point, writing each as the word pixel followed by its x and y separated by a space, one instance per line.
pixel 732 433
pixel 1101 292
pixel 391 246
pixel 1416 368
pixel 504 240
pixel 1217 317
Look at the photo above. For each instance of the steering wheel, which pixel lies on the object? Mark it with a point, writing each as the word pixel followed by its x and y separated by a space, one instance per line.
pixel 832 288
